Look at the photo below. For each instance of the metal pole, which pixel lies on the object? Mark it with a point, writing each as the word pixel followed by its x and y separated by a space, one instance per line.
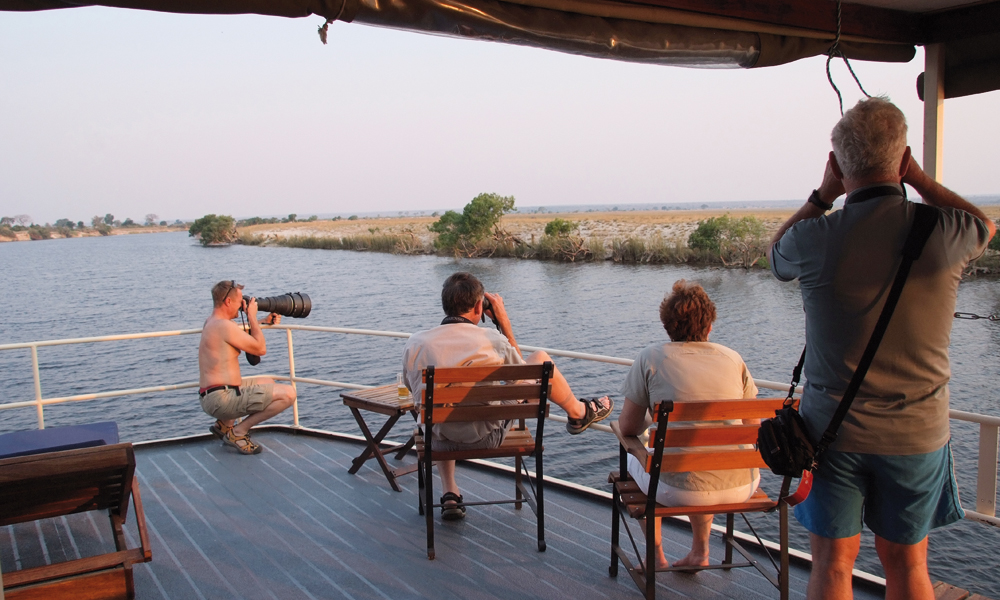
pixel 291 376
pixel 38 388
pixel 986 484
pixel 934 111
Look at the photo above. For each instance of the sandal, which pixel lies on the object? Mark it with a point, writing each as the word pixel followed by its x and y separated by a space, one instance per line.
pixel 455 511
pixel 220 429
pixel 242 443
pixel 595 412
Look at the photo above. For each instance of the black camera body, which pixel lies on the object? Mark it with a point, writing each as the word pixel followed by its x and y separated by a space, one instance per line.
pixel 293 304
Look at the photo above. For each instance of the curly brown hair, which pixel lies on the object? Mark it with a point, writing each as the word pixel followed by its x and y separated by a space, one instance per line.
pixel 687 313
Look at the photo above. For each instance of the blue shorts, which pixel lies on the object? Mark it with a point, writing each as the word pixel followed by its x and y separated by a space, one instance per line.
pixel 900 498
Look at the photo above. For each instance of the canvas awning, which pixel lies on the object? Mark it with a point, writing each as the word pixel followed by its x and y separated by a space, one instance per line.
pixel 696 33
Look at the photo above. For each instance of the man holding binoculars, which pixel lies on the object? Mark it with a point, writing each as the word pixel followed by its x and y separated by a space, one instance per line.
pixel 224 394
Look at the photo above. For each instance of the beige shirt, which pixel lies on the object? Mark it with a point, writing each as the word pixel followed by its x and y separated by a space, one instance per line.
pixel 456 345
pixel 691 371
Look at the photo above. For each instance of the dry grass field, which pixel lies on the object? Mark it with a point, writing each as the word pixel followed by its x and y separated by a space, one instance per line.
pixel 670 225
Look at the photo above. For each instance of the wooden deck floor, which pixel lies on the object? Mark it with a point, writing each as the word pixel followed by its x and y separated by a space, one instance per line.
pixel 292 523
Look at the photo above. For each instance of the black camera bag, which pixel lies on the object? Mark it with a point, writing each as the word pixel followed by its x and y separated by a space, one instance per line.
pixel 783 441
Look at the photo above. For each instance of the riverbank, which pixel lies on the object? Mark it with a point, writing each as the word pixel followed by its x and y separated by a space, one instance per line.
pixel 651 237
pixel 53 233
pixel 671 225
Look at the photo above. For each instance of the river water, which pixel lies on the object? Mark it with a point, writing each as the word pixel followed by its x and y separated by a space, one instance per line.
pixel 136 283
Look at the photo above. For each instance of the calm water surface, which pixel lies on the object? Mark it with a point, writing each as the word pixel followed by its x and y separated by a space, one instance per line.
pixel 136 283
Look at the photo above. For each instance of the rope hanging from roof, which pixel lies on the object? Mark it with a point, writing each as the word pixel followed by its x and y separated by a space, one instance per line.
pixel 835 51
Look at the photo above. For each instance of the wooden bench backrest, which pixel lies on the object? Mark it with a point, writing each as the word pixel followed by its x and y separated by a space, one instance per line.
pixel 712 431
pixel 458 394
pixel 60 483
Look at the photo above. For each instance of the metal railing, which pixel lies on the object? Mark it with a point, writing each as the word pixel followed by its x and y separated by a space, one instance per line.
pixel 989 426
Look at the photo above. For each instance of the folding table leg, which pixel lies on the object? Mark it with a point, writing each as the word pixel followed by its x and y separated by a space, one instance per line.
pixel 373 449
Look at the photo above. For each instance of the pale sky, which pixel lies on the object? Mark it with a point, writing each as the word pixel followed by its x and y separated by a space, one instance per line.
pixel 131 112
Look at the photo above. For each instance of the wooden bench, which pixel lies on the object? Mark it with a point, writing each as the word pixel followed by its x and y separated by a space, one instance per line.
pixel 461 395
pixel 725 446
pixel 54 484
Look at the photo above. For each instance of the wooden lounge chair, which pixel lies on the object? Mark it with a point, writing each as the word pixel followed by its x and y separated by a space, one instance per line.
pixel 53 484
pixel 631 502
pixel 460 395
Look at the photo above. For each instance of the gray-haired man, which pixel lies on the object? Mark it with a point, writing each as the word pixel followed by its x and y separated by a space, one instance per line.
pixel 891 463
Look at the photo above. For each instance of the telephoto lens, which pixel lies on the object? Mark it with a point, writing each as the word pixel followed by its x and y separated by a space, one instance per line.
pixel 293 304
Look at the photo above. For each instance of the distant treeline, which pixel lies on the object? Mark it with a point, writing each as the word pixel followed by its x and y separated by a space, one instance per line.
pixel 10 226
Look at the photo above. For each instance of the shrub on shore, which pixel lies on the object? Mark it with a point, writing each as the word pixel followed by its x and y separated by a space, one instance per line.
pixel 214 229
pixel 463 233
pixel 37 232
pixel 737 242
pixel 7 232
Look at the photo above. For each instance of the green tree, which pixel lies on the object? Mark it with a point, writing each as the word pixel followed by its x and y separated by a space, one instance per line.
pixel 214 229
pixel 109 219
pixel 65 223
pixel 352 218
pixel 738 242
pixel 479 218
pixel 706 235
pixel 560 227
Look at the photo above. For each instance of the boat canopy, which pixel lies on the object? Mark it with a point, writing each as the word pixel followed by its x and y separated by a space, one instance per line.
pixel 693 33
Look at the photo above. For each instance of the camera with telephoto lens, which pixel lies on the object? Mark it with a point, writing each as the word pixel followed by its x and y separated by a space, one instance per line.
pixel 293 304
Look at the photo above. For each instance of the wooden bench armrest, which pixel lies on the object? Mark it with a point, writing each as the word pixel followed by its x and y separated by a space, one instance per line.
pixel 140 522
pixel 72 567
pixel 631 443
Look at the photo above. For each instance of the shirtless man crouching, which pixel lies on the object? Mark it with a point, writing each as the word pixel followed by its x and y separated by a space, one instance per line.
pixel 224 394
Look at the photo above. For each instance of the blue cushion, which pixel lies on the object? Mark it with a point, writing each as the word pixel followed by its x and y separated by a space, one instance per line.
pixel 54 439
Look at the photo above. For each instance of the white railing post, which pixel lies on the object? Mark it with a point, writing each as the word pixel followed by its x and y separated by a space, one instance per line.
pixel 986 484
pixel 291 377
pixel 38 388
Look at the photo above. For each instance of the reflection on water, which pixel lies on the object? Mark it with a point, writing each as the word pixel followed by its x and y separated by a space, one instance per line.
pixel 126 284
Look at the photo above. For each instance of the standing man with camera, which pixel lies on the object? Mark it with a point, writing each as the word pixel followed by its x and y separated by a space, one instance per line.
pixel 890 465
pixel 224 394
pixel 460 342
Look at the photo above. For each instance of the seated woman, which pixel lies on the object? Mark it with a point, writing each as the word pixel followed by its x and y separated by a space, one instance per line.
pixel 689 367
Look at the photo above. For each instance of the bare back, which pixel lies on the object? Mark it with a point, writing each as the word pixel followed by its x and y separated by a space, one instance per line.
pixel 217 358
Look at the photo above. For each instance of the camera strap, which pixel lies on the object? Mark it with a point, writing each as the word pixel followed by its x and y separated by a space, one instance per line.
pixel 924 222
pixel 454 320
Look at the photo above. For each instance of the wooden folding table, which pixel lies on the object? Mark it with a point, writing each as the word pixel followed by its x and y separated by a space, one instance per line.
pixel 386 401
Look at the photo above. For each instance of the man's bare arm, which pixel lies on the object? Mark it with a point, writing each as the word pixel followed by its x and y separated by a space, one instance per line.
pixel 253 342
pixel 500 314
pixel 829 190
pixel 935 194
pixel 633 419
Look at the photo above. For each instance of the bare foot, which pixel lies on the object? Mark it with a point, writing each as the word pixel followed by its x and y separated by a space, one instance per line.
pixel 693 560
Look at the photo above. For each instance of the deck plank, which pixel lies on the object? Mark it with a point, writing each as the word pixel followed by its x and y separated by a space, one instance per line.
pixel 292 523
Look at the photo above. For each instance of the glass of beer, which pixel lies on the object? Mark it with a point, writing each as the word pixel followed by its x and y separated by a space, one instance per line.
pixel 401 389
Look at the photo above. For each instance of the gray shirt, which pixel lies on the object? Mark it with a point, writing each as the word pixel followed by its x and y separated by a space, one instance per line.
pixel 691 371
pixel 456 345
pixel 845 263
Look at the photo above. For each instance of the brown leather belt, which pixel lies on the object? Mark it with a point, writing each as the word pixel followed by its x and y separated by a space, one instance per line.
pixel 214 388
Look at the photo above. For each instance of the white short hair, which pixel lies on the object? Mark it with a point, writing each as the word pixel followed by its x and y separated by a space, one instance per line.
pixel 870 139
